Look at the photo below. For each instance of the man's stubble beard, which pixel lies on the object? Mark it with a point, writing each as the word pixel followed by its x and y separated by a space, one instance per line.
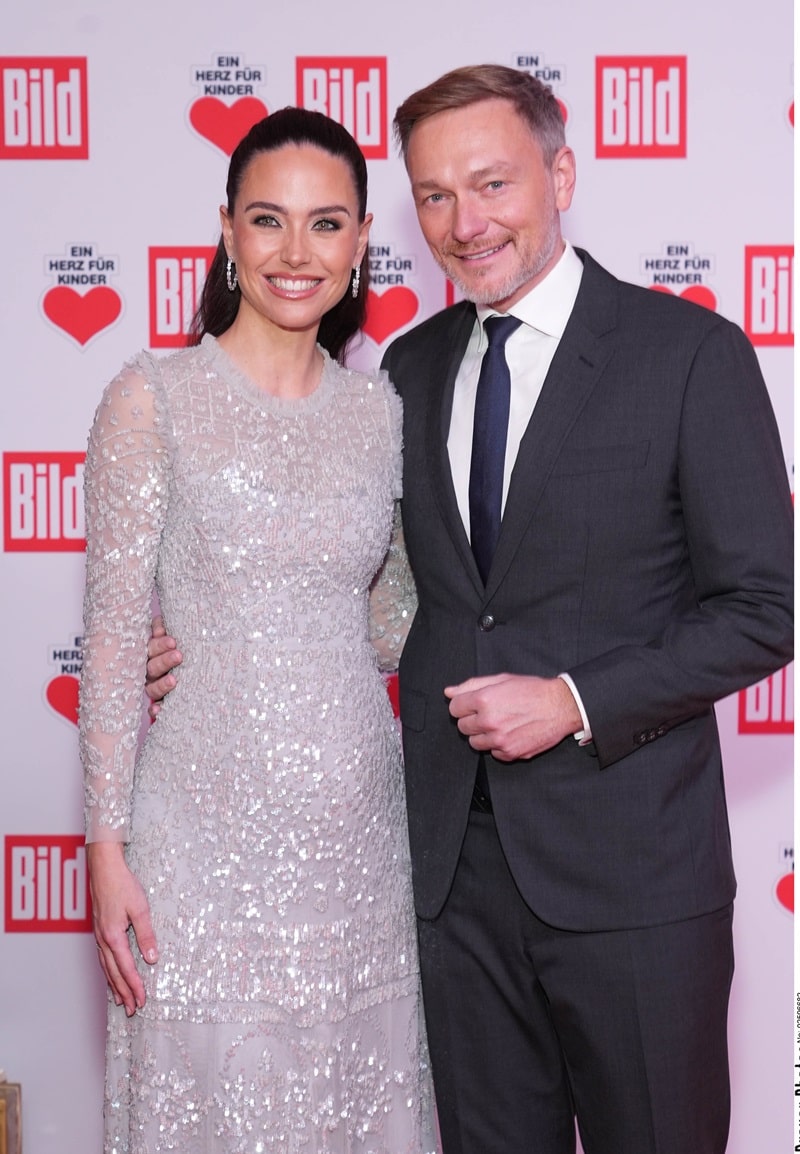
pixel 532 266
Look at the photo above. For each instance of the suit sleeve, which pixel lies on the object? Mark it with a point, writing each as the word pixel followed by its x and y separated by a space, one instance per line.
pixel 737 516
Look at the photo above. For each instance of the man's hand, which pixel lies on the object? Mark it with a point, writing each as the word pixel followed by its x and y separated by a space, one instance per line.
pixel 162 657
pixel 118 901
pixel 512 716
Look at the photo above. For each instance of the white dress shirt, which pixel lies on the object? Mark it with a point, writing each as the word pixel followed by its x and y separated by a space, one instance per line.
pixel 544 313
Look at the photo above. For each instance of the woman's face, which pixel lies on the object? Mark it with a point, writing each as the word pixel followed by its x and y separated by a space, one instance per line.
pixel 295 235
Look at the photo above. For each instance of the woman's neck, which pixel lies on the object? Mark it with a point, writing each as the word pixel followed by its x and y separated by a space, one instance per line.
pixel 284 363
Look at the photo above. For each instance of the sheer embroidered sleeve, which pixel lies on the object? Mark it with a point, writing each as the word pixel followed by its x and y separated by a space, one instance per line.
pixel 125 492
pixel 392 600
pixel 393 595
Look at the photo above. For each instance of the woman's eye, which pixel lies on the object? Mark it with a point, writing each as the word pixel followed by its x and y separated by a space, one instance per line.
pixel 327 225
pixel 264 220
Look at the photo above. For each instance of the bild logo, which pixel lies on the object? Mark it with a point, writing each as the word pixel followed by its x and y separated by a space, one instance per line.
pixel 768 706
pixel 43 503
pixel 43 108
pixel 640 106
pixel 351 90
pixel 769 307
pixel 46 888
pixel 176 276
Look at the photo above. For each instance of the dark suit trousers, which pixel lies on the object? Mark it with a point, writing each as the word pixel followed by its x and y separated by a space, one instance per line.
pixel 530 1026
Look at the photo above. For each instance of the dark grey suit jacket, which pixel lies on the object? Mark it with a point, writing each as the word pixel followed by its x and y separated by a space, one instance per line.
pixel 646 549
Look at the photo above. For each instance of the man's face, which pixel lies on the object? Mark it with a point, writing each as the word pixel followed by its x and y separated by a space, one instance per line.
pixel 487 203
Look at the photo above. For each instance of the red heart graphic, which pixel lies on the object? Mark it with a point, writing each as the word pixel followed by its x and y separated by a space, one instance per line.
pixel 699 294
pixel 62 696
pixel 389 311
pixel 225 124
pixel 784 891
pixel 82 316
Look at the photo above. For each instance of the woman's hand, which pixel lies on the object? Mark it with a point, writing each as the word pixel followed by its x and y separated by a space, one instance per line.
pixel 118 901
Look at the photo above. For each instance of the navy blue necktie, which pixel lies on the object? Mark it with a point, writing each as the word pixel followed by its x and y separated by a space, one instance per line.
pixel 489 435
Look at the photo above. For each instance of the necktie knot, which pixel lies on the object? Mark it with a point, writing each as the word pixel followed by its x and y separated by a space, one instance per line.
pixel 499 329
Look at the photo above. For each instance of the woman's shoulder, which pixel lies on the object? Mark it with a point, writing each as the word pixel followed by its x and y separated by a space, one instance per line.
pixel 373 390
pixel 145 370
pixel 138 396
pixel 169 370
pixel 377 406
pixel 364 383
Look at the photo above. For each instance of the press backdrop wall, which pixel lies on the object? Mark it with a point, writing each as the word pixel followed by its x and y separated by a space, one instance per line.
pixel 116 123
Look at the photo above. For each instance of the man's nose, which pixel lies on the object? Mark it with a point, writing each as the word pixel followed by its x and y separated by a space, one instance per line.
pixel 469 221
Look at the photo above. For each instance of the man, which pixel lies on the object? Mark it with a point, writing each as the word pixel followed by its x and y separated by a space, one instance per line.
pixel 569 836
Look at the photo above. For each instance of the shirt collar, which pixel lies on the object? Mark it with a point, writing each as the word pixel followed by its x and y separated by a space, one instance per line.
pixel 548 305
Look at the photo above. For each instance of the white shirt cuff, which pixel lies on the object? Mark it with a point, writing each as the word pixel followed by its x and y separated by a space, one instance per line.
pixel 583 736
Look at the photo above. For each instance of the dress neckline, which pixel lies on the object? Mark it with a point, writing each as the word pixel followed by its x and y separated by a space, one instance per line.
pixel 240 383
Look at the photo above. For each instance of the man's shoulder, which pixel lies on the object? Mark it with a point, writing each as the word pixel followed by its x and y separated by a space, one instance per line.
pixel 435 328
pixel 637 304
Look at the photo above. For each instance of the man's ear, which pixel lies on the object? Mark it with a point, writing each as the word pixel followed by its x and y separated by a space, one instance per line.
pixel 564 176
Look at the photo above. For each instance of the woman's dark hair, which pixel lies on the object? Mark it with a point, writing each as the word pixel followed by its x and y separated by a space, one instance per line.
pixel 218 306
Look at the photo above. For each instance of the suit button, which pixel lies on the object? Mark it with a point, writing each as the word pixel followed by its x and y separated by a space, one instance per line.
pixel 486 623
pixel 652 735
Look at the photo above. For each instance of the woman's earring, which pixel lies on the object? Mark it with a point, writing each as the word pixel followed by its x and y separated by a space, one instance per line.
pixel 231 276
pixel 356 281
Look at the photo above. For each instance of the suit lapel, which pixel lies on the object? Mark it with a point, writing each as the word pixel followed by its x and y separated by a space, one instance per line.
pixel 446 357
pixel 580 360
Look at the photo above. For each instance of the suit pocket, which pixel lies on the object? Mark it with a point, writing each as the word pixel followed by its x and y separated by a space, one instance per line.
pixel 576 460
pixel 413 707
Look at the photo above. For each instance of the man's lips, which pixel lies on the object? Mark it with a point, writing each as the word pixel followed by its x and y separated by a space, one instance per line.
pixel 482 254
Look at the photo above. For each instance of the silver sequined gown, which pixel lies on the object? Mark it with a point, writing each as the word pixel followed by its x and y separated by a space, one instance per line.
pixel 265 814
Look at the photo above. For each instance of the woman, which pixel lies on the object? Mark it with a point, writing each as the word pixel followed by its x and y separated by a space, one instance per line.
pixel 256 847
